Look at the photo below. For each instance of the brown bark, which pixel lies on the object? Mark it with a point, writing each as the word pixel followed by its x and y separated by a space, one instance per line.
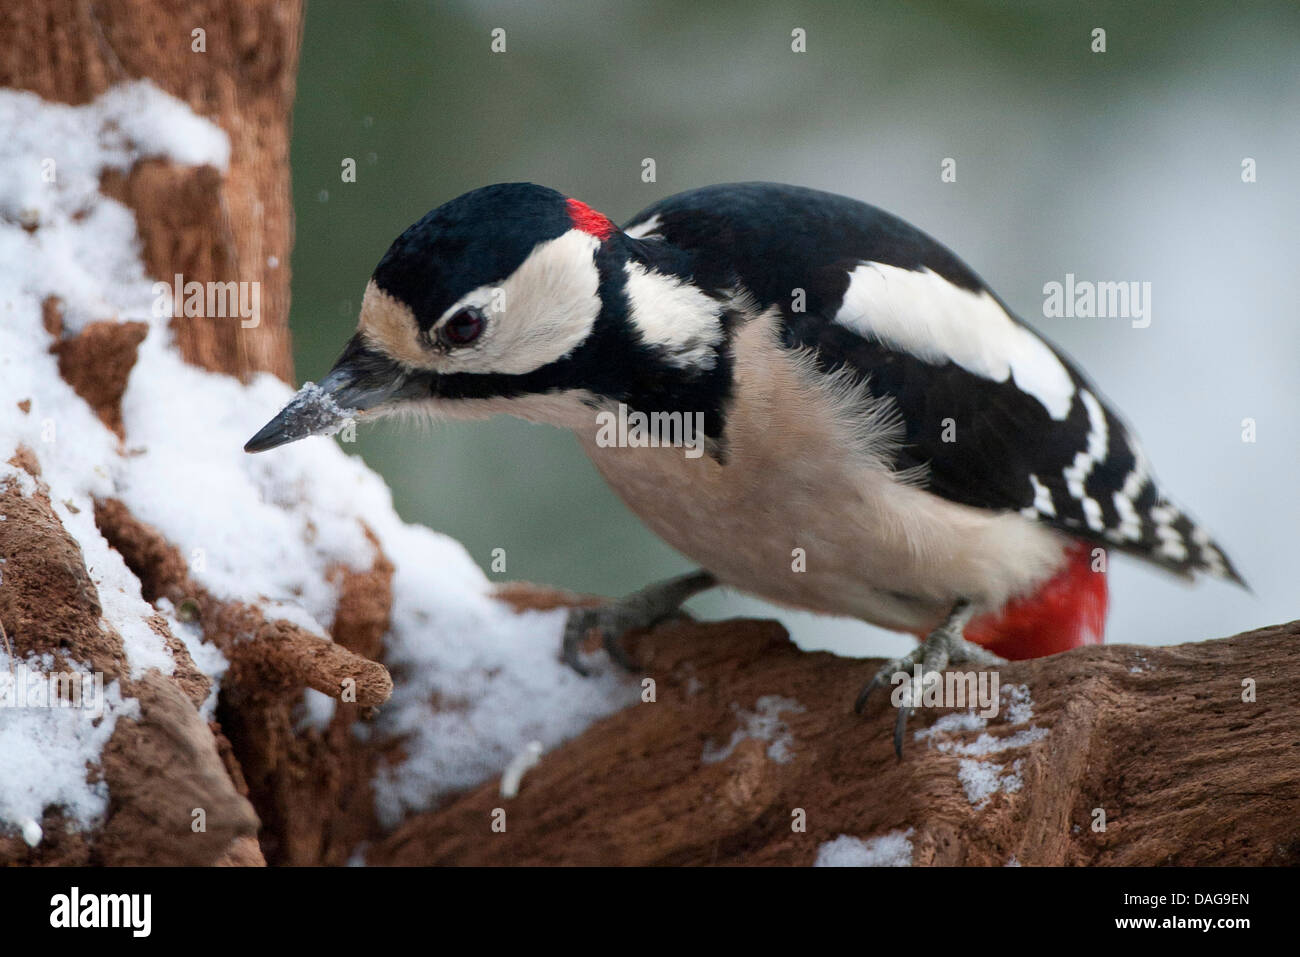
pixel 207 226
pixel 1159 739
pixel 160 768
pixel 192 221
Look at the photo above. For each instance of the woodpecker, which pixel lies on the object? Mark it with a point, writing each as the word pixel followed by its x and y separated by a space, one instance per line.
pixel 883 439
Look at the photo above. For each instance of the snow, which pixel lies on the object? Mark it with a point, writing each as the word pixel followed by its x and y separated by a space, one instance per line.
pixel 44 752
pixel 1020 706
pixel 268 526
pixel 314 712
pixel 952 723
pixel 494 675
pixel 762 724
pixel 206 656
pixel 119 593
pixel 989 744
pixel 85 250
pixel 293 614
pixel 312 411
pixel 1141 666
pixel 888 850
pixel 1018 709
pixel 519 765
pixel 475 682
pixel 982 779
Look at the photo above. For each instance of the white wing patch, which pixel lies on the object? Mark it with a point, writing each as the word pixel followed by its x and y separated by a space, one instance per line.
pixel 675 315
pixel 924 314
pixel 647 230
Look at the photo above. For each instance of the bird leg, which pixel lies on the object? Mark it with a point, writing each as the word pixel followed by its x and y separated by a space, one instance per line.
pixel 641 609
pixel 943 647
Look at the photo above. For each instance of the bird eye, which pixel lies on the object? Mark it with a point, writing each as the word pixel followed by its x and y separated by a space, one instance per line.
pixel 462 328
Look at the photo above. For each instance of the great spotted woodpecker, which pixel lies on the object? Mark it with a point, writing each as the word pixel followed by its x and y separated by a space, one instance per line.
pixel 867 404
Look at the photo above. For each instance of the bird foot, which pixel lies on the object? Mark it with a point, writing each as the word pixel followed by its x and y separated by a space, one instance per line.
pixel 942 647
pixel 613 620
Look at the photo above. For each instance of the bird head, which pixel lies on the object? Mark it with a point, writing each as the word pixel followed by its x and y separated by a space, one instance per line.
pixel 513 298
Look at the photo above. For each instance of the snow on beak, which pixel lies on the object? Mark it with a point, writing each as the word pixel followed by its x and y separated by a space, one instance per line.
pixel 361 381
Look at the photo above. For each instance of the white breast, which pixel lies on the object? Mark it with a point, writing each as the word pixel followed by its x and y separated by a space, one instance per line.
pixel 806 468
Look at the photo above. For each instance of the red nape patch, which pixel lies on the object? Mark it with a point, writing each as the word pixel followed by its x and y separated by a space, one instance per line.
pixel 1067 611
pixel 590 221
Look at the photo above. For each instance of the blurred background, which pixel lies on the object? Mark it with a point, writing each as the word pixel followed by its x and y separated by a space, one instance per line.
pixel 1115 166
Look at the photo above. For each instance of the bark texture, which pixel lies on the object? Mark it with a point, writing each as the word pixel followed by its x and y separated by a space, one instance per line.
pixel 192 220
pixel 1156 745
pixel 205 226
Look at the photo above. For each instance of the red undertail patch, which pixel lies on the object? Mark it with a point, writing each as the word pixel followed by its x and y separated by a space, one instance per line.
pixel 1068 610
pixel 589 221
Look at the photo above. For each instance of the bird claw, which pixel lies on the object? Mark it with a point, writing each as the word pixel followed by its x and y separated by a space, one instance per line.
pixel 943 647
pixel 574 633
pixel 614 620
pixel 880 679
pixel 611 622
pixel 900 728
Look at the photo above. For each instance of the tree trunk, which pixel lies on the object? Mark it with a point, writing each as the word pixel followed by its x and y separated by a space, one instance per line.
pixel 205 226
pixel 191 220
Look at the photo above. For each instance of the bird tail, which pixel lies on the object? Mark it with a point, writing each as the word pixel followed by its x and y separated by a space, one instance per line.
pixel 1174 540
pixel 1066 611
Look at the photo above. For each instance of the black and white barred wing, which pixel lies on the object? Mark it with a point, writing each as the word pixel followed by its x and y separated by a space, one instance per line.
pixel 996 418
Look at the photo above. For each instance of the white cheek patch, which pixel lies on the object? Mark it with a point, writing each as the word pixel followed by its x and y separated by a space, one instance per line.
pixel 924 314
pixel 673 315
pixel 540 313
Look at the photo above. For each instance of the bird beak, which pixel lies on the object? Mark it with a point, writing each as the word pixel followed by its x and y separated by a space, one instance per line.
pixel 361 382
